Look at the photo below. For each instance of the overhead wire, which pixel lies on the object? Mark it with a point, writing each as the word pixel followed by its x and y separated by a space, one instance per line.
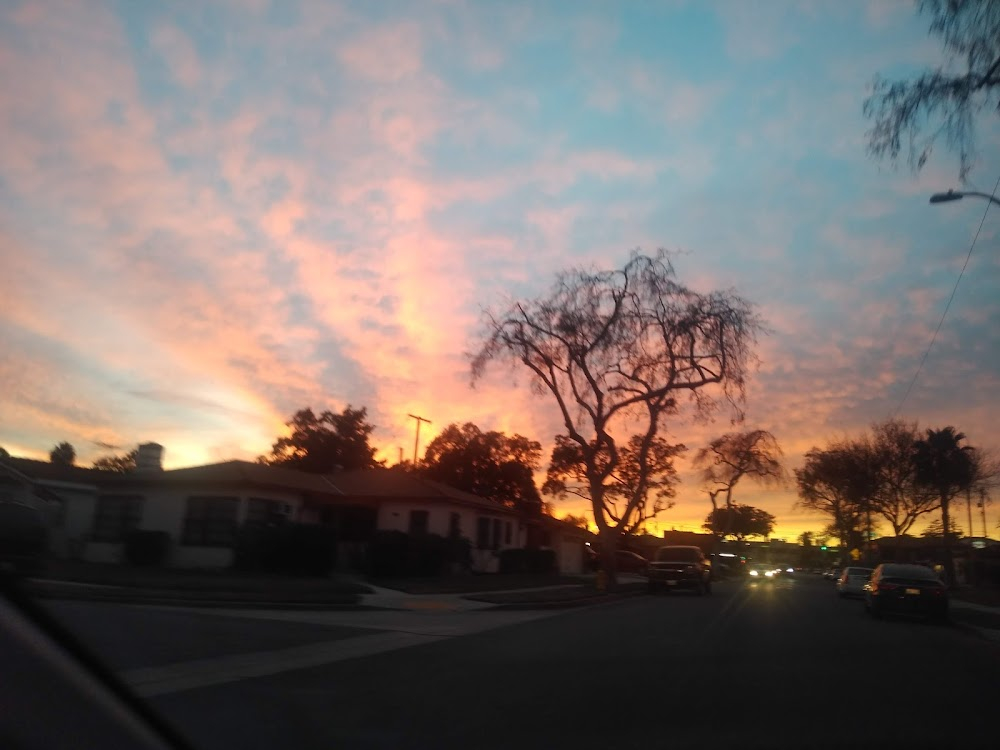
pixel 947 307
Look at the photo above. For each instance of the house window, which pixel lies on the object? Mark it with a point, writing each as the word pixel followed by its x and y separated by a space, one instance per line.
pixel 115 516
pixel 419 521
pixel 482 533
pixel 210 521
pixel 507 533
pixel 496 533
pixel 455 525
pixel 263 510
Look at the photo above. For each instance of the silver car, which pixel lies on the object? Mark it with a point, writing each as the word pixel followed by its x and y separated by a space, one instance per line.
pixel 852 581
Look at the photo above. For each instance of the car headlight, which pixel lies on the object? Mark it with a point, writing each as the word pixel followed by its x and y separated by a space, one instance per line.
pixel 769 573
pixel 753 572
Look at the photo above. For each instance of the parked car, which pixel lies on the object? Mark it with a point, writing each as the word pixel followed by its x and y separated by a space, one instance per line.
pixel 625 561
pixel 852 581
pixel 630 562
pixel 679 567
pixel 906 589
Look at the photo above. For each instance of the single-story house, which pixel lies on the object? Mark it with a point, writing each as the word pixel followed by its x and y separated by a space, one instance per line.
pixel 199 507
pixel 202 507
pixel 399 501
pixel 63 495
pixel 568 540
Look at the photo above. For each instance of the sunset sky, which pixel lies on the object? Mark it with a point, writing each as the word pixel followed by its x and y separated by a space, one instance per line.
pixel 214 214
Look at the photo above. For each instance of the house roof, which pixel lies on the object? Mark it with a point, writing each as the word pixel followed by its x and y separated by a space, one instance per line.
pixel 372 484
pixel 394 484
pixel 245 472
pixel 41 471
pixel 563 527
pixel 227 472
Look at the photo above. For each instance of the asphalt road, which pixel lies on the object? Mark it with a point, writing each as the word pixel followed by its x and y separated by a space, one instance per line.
pixel 777 665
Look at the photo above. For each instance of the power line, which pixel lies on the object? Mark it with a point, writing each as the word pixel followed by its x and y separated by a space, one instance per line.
pixel 950 299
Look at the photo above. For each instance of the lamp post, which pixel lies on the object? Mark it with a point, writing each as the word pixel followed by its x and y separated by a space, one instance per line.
pixel 955 195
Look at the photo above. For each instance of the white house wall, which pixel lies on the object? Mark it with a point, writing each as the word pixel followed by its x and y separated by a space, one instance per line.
pixel 395 516
pixel 163 509
pixel 66 537
pixel 569 554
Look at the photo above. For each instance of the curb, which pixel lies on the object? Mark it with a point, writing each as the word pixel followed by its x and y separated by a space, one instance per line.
pixel 125 595
pixel 346 603
pixel 355 604
pixel 582 601
pixel 986 634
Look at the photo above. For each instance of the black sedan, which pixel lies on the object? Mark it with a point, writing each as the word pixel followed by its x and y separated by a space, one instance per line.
pixel 906 589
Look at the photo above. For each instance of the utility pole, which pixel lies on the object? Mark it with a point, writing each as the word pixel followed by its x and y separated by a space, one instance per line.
pixel 400 454
pixel 982 509
pixel 971 576
pixel 968 505
pixel 416 442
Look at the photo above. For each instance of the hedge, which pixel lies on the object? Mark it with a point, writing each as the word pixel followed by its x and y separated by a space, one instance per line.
pixel 146 548
pixel 395 553
pixel 290 548
pixel 522 560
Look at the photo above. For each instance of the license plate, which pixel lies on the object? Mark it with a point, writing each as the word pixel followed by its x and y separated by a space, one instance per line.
pixel 671 583
pixel 915 592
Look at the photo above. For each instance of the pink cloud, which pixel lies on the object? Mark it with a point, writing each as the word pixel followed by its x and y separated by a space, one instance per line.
pixel 385 54
pixel 179 53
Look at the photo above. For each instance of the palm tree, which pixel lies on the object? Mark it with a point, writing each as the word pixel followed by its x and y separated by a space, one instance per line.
pixel 945 466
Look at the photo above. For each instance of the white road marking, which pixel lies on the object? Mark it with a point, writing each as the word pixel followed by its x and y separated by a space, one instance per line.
pixel 396 630
pixel 421 622
pixel 173 678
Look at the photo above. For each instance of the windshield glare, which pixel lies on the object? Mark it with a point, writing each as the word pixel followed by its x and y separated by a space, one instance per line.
pixel 677 554
pixel 464 374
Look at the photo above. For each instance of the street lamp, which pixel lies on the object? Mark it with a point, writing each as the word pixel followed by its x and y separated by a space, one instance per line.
pixel 954 195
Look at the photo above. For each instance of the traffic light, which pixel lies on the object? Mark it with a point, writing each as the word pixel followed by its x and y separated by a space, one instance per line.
pixel 823 548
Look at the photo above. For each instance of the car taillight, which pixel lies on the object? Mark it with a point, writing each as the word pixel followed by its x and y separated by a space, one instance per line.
pixel 885 586
pixel 937 590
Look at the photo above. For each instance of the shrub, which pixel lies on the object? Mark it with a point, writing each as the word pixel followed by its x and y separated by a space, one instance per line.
pixel 395 553
pixel 513 561
pixel 459 552
pixel 388 553
pixel 310 549
pixel 291 548
pixel 146 548
pixel 531 561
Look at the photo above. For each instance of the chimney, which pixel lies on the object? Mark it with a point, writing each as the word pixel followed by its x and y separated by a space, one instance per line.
pixel 149 459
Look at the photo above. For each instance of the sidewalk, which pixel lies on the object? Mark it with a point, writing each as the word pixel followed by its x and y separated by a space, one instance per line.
pixel 126 585
pixel 980 618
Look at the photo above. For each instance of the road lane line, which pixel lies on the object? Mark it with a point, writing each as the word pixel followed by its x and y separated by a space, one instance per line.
pixel 173 678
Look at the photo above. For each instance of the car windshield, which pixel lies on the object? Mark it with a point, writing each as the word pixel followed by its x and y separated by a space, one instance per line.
pixel 677 554
pixel 344 342
pixel 913 572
